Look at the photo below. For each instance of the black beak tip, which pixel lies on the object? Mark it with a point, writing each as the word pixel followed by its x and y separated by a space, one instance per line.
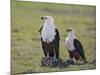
pixel 42 18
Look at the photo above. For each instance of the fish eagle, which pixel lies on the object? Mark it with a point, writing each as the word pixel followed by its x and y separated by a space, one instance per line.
pixel 74 47
pixel 49 37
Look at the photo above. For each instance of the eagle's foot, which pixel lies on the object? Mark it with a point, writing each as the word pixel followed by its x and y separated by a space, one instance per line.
pixel 51 62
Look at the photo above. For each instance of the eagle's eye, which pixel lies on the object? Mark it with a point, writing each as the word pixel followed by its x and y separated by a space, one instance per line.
pixel 45 18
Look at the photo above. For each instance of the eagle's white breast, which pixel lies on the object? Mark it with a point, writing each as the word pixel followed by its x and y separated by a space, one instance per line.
pixel 48 33
pixel 70 44
pixel 70 41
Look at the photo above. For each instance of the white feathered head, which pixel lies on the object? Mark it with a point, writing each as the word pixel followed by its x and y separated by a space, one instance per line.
pixel 47 18
pixel 69 30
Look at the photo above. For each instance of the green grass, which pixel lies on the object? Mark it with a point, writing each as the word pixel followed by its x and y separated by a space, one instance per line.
pixel 26 47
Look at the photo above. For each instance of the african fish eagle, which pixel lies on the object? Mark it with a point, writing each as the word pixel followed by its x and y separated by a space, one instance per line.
pixel 74 47
pixel 49 37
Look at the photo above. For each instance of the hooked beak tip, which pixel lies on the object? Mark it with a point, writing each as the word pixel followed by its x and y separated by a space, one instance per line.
pixel 42 18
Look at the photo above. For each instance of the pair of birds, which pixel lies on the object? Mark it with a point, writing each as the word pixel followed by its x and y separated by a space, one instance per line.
pixel 50 40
